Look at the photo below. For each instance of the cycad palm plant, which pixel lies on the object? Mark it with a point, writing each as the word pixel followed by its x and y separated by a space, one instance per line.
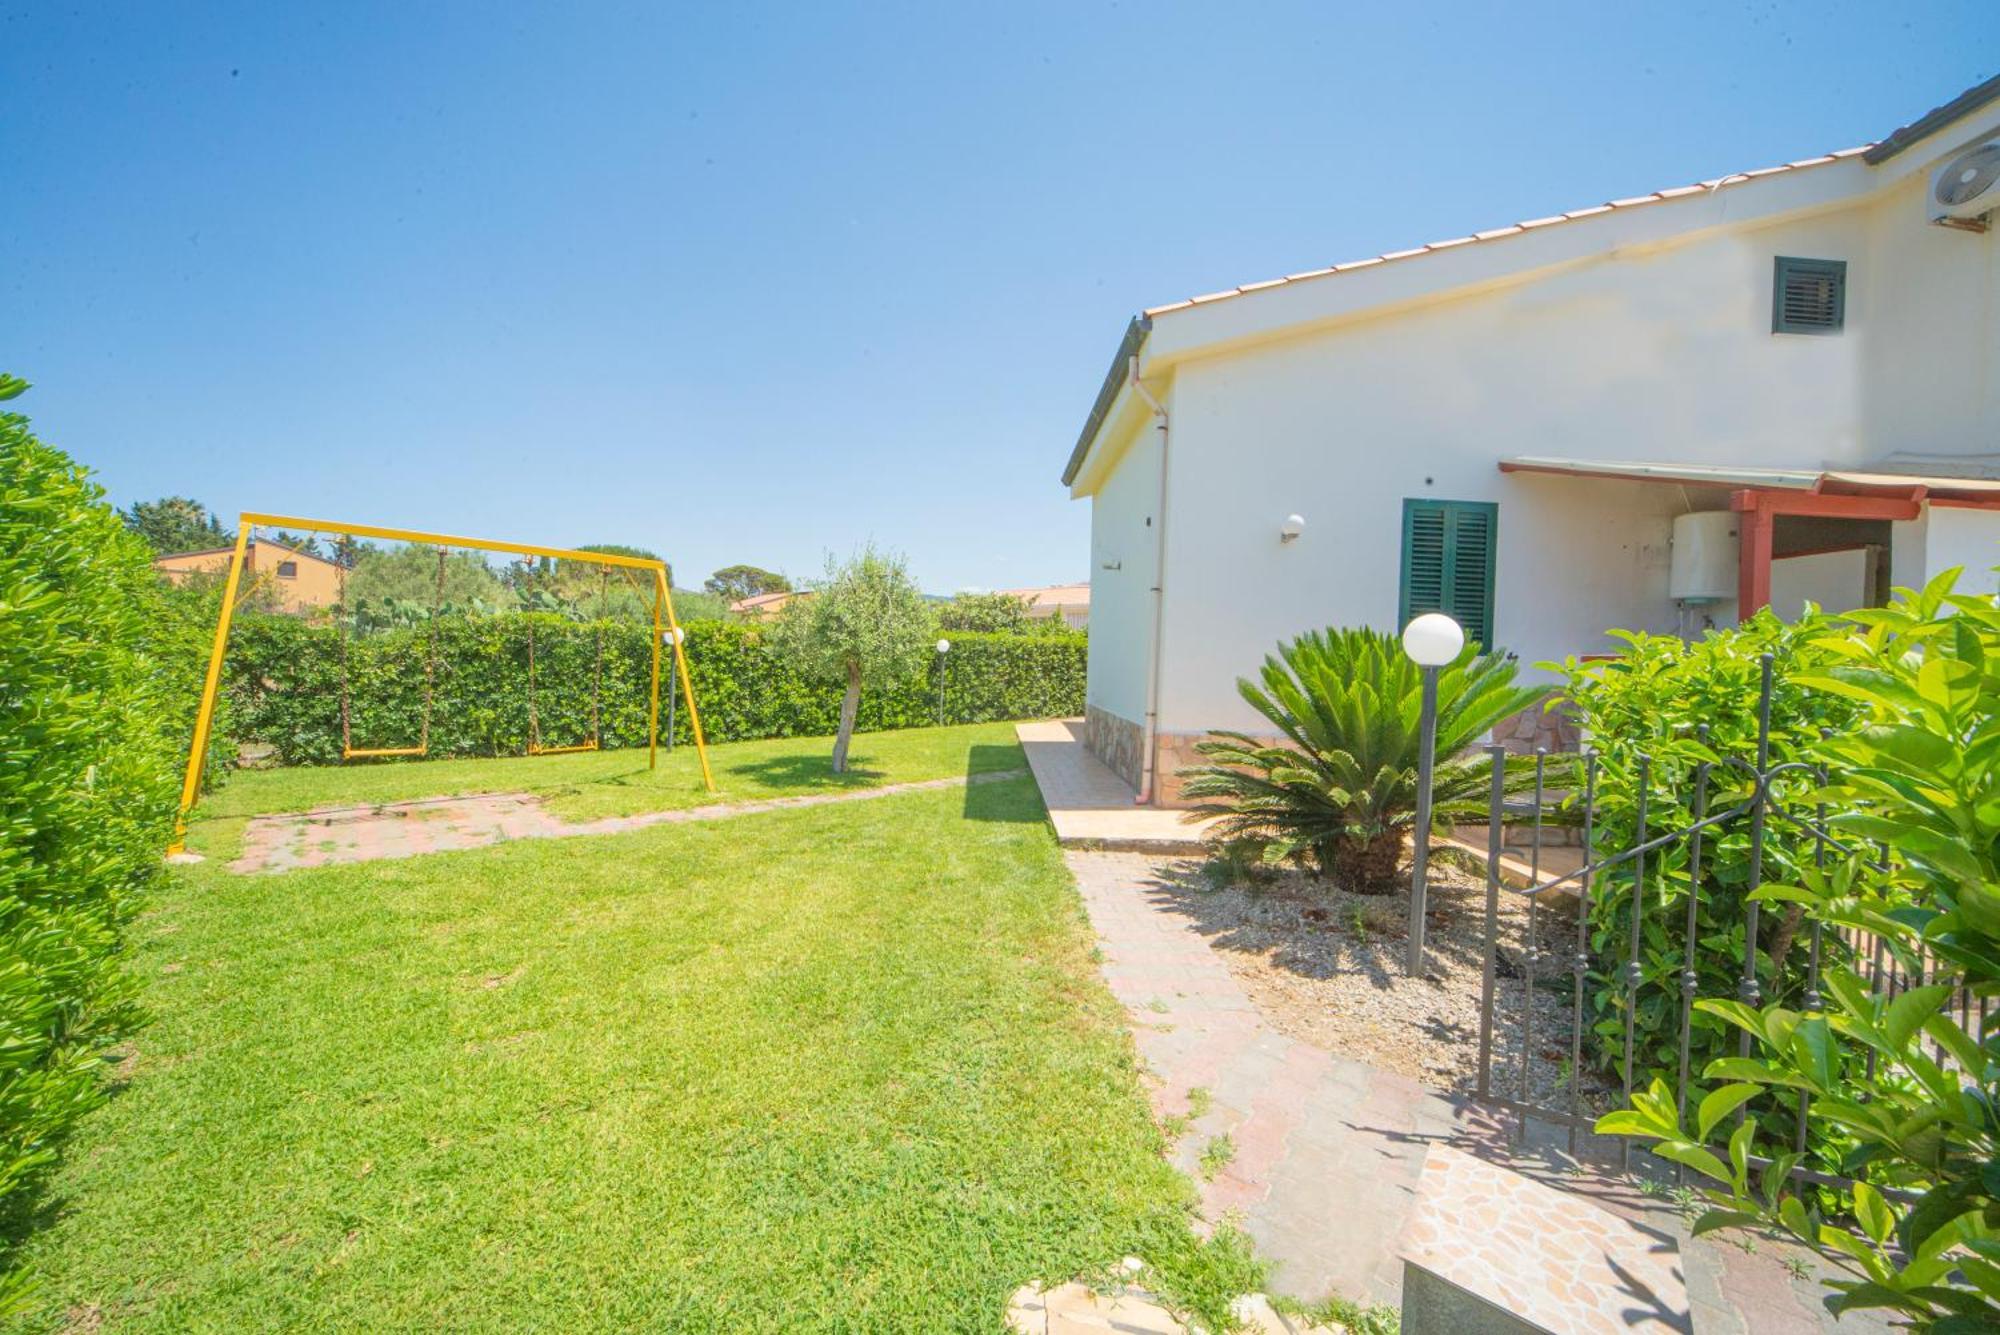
pixel 1340 789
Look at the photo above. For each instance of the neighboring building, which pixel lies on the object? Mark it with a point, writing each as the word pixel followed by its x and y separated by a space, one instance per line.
pixel 1071 602
pixel 763 605
pixel 299 580
pixel 1507 426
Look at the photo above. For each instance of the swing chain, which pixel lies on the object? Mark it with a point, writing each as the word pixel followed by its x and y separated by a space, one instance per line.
pixel 431 662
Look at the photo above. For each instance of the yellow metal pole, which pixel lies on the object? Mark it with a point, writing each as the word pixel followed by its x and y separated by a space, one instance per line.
pixel 294 522
pixel 204 718
pixel 687 683
pixel 653 713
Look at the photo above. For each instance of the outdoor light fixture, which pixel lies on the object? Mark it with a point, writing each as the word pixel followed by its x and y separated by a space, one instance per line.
pixel 1293 526
pixel 1432 641
pixel 672 637
pixel 944 647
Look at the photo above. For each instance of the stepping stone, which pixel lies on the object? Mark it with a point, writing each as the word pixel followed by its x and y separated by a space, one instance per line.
pixel 1488 1252
pixel 1078 1309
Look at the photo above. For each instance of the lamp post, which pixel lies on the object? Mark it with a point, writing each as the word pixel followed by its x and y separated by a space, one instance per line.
pixel 1432 641
pixel 943 648
pixel 674 637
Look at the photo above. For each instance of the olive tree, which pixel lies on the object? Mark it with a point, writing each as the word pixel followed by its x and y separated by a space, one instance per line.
pixel 865 622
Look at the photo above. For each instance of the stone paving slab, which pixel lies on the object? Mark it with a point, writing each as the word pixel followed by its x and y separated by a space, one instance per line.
pixel 1550 1258
pixel 326 835
pixel 1089 805
pixel 1328 1152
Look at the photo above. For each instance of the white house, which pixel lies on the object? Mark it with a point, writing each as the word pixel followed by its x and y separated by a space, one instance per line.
pixel 1508 425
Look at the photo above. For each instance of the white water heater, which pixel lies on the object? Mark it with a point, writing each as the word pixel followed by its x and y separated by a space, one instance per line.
pixel 1703 568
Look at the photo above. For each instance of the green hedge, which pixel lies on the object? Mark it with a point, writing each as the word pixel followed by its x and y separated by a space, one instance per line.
pixel 90 732
pixel 284 674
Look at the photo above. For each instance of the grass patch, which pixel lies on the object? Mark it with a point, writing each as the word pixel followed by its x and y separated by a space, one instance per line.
pixel 838 1068
pixel 593 784
pixel 1356 1318
pixel 1216 1155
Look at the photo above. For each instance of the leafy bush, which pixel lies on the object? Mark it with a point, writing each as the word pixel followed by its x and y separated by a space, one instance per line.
pixel 1653 701
pixel 993 612
pixel 1341 790
pixel 87 793
pixel 1912 1088
pixel 283 682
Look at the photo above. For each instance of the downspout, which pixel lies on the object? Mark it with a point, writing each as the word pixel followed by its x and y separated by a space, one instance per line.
pixel 1149 746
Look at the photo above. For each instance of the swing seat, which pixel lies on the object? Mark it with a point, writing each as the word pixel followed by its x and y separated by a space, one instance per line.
pixel 537 749
pixel 359 752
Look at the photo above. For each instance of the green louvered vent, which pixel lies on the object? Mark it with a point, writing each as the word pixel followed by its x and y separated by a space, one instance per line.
pixel 1809 296
pixel 1448 563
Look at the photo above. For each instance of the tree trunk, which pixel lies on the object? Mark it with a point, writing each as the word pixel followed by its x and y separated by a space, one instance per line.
pixel 850 705
pixel 1367 865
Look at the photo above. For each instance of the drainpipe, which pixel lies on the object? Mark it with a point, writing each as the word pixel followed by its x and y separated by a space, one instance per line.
pixel 1149 746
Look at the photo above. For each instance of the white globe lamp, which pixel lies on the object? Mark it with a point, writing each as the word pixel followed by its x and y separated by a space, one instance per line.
pixel 1433 640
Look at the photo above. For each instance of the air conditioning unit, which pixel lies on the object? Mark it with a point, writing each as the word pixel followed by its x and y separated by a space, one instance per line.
pixel 1968 186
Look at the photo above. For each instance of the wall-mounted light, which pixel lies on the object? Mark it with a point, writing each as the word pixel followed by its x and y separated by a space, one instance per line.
pixel 1293 526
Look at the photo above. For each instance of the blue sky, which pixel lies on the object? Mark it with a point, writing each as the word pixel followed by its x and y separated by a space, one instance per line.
pixel 746 283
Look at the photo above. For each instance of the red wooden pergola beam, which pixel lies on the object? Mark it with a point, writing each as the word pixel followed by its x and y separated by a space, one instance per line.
pixel 1760 510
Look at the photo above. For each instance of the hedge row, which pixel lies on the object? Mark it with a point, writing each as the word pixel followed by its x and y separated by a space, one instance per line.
pixel 90 731
pixel 284 685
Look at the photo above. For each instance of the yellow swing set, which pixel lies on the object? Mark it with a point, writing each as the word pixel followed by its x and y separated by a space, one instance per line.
pixel 665 631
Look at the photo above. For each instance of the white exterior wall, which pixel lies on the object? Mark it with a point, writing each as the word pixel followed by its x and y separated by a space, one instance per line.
pixel 1664 355
pixel 1123 552
pixel 1658 351
pixel 1968 539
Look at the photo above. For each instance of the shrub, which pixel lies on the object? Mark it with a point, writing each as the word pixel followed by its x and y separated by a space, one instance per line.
pixel 1341 789
pixel 993 612
pixel 1913 1088
pixel 87 793
pixel 283 683
pixel 1653 702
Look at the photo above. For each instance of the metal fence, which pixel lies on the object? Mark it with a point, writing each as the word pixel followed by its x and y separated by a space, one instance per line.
pixel 1756 806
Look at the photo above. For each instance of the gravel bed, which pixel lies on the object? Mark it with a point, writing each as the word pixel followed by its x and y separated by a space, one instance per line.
pixel 1326 966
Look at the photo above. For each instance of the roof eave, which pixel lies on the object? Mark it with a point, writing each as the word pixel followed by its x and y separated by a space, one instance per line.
pixel 1107 394
pixel 1937 118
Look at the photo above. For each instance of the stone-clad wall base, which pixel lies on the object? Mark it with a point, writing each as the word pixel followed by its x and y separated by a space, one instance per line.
pixel 1176 752
pixel 1554 730
pixel 1115 741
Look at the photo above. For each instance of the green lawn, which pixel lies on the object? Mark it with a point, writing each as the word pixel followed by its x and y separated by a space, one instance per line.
pixel 845 1068
pixel 592 784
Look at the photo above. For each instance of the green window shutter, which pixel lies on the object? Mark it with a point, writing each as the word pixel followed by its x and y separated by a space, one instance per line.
pixel 1808 296
pixel 1448 563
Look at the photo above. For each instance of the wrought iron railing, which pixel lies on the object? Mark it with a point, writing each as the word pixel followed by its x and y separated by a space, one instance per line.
pixel 1759 811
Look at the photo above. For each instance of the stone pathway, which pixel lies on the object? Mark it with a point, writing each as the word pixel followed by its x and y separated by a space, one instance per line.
pixel 326 835
pixel 1318 1157
pixel 1089 805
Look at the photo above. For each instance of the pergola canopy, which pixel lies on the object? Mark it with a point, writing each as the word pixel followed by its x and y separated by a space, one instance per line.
pixel 1878 482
